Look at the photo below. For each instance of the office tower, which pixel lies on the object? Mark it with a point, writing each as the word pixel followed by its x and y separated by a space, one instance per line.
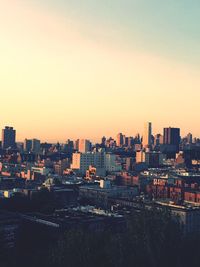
pixel 125 140
pixel 189 138
pixel 20 147
pixel 130 141
pixel 69 146
pixel 120 139
pixel 36 146
pixel 147 141
pixel 103 141
pixel 172 137
pixel 158 139
pixel 8 138
pixel 76 144
pixel 84 146
pixel 111 143
pixel 27 145
pixel 137 139
pixel 58 147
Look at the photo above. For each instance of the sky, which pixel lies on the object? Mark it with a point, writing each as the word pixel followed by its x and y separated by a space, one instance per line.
pixel 86 68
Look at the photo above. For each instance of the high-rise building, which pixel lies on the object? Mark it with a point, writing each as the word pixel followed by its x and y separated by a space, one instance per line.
pixel 130 141
pixel 137 139
pixel 120 139
pixel 76 144
pixel 158 139
pixel 147 141
pixel 84 146
pixel 172 137
pixel 189 138
pixel 36 146
pixel 27 145
pixel 103 141
pixel 69 146
pixel 8 138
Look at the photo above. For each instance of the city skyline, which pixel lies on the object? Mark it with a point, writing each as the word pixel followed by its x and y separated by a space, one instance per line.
pixel 146 133
pixel 100 133
pixel 89 68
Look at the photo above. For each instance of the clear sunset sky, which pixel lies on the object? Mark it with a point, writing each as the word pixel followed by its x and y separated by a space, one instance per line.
pixel 88 68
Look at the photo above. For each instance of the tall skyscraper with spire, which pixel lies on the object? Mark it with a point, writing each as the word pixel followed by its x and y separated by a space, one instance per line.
pixel 146 142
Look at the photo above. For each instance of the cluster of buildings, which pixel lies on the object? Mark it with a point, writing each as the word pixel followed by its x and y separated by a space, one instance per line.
pixel 102 161
pixel 115 174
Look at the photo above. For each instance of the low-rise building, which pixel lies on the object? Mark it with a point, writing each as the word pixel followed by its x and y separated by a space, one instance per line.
pixel 100 194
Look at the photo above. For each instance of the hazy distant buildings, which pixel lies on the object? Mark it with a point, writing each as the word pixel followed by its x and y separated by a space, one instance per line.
pixel 32 145
pixel 36 146
pixel 147 140
pixel 130 141
pixel 103 141
pixel 120 140
pixel 69 146
pixel 76 144
pixel 111 143
pixel 140 156
pixel 8 138
pixel 189 138
pixel 158 140
pixel 27 145
pixel 84 146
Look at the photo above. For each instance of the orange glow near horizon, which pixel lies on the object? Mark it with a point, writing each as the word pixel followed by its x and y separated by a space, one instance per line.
pixel 56 83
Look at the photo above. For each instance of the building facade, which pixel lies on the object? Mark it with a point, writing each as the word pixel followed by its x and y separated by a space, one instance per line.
pixel 8 138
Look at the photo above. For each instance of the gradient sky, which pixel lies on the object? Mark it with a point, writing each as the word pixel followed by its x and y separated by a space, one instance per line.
pixel 86 68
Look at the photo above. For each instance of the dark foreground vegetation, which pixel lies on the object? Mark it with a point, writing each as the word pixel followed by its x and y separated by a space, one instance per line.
pixel 152 239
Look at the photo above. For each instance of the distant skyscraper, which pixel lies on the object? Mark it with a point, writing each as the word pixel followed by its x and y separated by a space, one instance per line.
pixel 130 141
pixel 172 137
pixel 103 141
pixel 137 139
pixel 158 139
pixel 189 138
pixel 84 145
pixel 8 138
pixel 36 146
pixel 147 141
pixel 120 139
pixel 69 146
pixel 76 144
pixel 27 145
